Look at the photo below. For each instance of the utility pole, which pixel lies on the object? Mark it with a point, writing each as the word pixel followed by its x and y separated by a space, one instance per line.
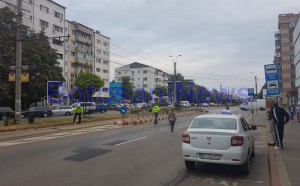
pixel 174 61
pixel 18 64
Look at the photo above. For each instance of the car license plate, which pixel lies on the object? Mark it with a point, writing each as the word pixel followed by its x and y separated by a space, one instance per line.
pixel 210 156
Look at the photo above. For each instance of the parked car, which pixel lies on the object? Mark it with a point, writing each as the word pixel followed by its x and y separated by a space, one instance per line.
pixel 185 104
pixel 62 110
pixel 142 106
pixel 88 107
pixel 219 139
pixel 44 111
pixel 6 112
pixel 101 108
pixel 112 107
pixel 205 105
pixel 212 104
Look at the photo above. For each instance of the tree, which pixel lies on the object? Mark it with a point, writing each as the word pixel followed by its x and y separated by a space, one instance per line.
pixel 127 86
pixel 37 54
pixel 85 79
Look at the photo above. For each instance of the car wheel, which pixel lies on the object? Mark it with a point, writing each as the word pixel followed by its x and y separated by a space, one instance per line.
pixel 190 165
pixel 45 115
pixel 245 168
pixel 67 114
pixel 3 117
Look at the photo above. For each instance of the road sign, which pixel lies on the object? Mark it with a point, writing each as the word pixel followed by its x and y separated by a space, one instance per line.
pixel 272 79
pixel 250 91
pixel 123 110
pixel 255 96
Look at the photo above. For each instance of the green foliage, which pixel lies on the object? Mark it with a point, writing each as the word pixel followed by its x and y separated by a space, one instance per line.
pixel 37 54
pixel 85 79
pixel 128 86
pixel 31 118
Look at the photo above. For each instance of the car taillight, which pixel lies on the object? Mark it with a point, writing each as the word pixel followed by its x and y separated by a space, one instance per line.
pixel 185 138
pixel 237 141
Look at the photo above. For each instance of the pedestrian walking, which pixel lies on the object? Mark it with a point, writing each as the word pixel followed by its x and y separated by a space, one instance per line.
pixel 281 118
pixel 172 119
pixel 297 110
pixel 271 120
pixel 292 112
pixel 78 110
pixel 155 111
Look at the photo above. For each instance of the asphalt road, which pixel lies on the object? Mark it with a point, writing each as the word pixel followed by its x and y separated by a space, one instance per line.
pixel 123 156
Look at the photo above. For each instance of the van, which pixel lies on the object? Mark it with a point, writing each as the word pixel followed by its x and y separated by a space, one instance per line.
pixel 88 107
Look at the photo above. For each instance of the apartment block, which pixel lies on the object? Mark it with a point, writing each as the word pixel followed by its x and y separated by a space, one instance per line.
pixel 296 42
pixel 87 51
pixel 284 56
pixel 43 15
pixel 142 76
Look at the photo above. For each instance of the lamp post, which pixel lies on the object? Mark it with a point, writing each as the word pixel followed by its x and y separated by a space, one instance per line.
pixel 174 61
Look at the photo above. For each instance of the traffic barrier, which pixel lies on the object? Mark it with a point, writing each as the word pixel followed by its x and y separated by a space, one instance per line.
pixel 125 123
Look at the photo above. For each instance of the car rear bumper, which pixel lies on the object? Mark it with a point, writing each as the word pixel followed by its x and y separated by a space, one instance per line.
pixel 232 156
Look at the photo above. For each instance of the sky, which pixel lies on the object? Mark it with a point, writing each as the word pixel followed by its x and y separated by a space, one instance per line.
pixel 221 42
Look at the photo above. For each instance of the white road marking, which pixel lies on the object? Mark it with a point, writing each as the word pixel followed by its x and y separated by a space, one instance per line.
pixel 183 126
pixel 131 141
pixel 58 135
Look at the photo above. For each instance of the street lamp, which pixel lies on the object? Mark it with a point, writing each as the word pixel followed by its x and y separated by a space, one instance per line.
pixel 174 61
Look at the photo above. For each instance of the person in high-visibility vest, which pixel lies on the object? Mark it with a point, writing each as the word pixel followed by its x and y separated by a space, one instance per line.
pixel 155 111
pixel 78 110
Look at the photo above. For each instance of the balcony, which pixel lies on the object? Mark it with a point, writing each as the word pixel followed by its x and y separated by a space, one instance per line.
pixel 86 41
pixel 84 29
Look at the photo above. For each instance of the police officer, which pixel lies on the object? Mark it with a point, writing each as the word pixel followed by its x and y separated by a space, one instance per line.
pixel 155 111
pixel 78 110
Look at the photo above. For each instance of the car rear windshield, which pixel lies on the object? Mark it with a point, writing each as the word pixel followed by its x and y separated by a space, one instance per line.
pixel 215 123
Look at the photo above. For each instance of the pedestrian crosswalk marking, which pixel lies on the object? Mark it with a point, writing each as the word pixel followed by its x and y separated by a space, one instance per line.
pixel 59 135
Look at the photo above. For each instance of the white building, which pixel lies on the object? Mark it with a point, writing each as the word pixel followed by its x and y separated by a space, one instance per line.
pixel 296 42
pixel 142 76
pixel 43 15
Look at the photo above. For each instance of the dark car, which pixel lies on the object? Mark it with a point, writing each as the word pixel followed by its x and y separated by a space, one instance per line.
pixel 112 107
pixel 37 111
pixel 101 108
pixel 6 112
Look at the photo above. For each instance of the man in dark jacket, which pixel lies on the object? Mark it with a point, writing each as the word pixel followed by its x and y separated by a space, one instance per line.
pixel 281 118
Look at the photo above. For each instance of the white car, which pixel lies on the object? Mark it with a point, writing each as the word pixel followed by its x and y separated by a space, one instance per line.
pixel 205 105
pixel 62 111
pixel 219 139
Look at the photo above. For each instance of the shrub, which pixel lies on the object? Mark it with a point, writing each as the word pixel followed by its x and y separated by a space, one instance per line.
pixel 31 118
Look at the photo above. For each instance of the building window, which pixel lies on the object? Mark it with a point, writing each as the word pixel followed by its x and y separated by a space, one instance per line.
pixel 57 29
pixel 98 41
pixel 105 62
pixel 58 15
pixel 98 51
pixel 44 9
pixel 105 44
pixel 105 71
pixel 57 42
pixel 145 85
pixel 144 79
pixel 145 72
pixel 119 73
pixel 73 54
pixel 44 24
pixel 105 53
pixel 132 79
pixel 98 60
pixel 98 69
pixel 60 56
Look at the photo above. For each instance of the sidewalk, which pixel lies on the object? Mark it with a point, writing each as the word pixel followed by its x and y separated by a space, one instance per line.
pixel 283 164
